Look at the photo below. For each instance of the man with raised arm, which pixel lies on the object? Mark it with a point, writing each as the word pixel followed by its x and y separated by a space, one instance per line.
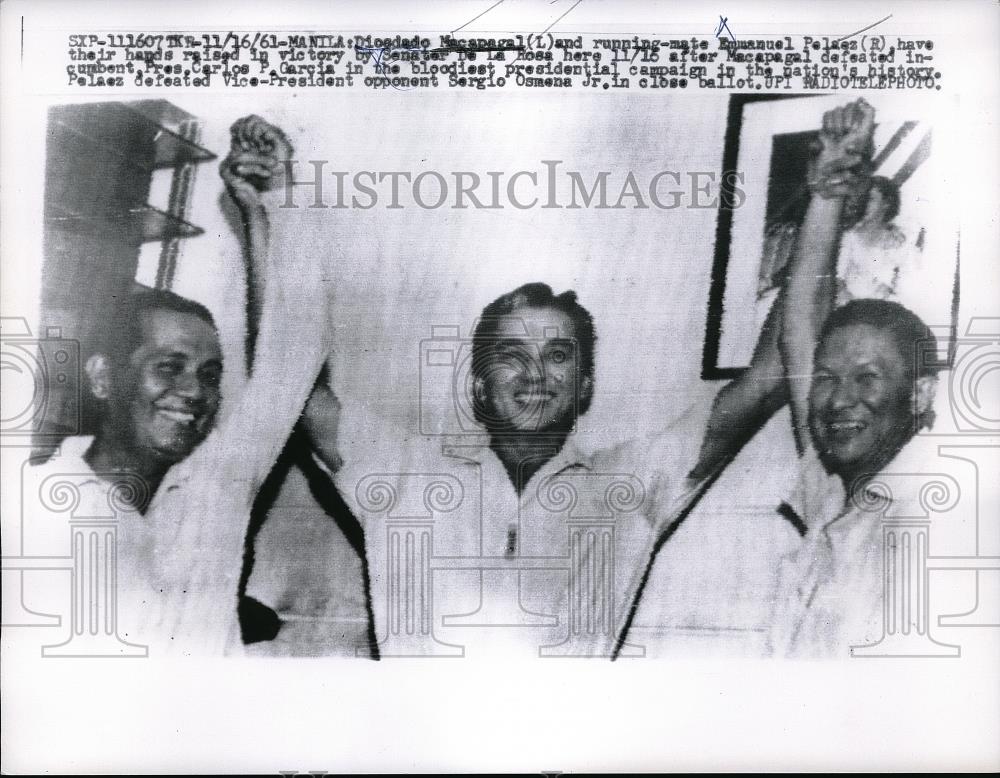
pixel 861 387
pixel 510 573
pixel 180 483
pixel 181 561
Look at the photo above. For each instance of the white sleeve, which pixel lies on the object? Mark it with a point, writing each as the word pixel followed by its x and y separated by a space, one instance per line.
pixel 671 455
pixel 201 525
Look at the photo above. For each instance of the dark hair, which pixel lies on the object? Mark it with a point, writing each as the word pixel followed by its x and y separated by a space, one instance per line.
pixel 124 334
pixel 916 343
pixel 536 295
pixel 890 196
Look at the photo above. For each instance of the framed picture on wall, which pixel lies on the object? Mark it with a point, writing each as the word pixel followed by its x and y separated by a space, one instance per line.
pixel 899 242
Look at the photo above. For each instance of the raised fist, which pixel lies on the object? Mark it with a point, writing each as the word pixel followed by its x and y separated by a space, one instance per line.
pixel 844 150
pixel 257 153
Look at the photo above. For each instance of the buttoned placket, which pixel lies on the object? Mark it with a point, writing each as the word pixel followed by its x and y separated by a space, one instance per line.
pixel 501 537
pixel 832 547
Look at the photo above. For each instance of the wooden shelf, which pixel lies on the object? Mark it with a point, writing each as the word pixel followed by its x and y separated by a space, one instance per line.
pixel 136 225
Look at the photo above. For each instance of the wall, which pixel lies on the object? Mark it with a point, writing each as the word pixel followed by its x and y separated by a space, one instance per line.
pixel 643 273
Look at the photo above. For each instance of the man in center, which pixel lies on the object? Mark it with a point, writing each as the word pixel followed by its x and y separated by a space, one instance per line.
pixel 511 539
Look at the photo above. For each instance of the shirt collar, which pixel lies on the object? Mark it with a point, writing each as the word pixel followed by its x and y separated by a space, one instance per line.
pixel 818 496
pixel 477 449
pixel 69 458
pixel 900 484
pixel 69 455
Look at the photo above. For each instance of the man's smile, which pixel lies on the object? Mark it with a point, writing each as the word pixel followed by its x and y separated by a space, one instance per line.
pixel 178 416
pixel 843 430
pixel 534 396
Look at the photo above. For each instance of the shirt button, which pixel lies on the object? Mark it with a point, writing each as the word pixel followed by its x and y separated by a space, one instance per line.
pixel 511 548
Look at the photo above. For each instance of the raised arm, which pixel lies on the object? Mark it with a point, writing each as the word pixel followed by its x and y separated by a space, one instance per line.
pixel 744 404
pixel 839 171
pixel 258 149
pixel 200 527
pixel 788 337
pixel 321 422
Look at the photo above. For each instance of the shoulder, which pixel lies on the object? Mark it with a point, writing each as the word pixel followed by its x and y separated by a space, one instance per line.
pixel 662 461
pixel 680 439
pixel 817 495
pixel 70 451
pixel 374 447
pixel 912 481
pixel 68 460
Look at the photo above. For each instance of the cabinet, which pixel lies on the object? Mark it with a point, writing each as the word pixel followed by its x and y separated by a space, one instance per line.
pixel 100 159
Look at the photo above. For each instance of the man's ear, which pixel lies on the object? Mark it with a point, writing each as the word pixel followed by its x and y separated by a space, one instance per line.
pixel 586 389
pixel 923 396
pixel 479 389
pixel 98 369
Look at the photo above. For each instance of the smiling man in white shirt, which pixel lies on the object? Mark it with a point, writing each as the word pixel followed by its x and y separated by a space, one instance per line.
pixel 179 483
pixel 862 386
pixel 511 539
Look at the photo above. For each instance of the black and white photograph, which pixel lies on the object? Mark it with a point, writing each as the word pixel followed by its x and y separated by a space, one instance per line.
pixel 526 386
pixel 889 225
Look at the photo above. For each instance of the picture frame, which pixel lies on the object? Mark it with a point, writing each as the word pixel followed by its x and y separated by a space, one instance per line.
pixel 763 198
